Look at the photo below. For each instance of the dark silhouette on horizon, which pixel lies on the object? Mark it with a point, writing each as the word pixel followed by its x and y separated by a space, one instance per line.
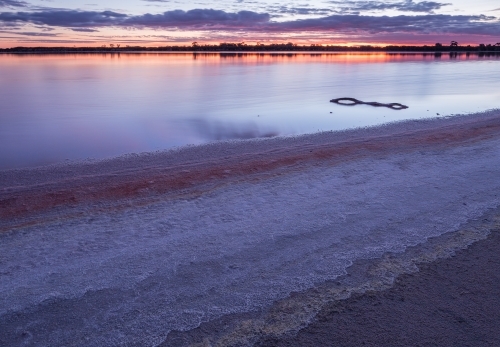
pixel 273 47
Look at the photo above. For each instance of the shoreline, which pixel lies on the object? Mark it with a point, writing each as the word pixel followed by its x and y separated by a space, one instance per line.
pixel 246 240
pixel 232 48
pixel 252 52
pixel 28 191
pixel 353 311
pixel 449 302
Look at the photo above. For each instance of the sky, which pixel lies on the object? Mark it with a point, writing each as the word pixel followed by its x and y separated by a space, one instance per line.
pixel 180 22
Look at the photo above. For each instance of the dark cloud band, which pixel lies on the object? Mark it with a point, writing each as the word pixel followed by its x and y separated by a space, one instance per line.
pixel 65 18
pixel 176 18
pixel 404 6
pixel 209 19
pixel 12 3
pixel 199 18
pixel 481 25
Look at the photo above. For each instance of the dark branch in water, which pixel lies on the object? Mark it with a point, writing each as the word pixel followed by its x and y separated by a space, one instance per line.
pixel 353 101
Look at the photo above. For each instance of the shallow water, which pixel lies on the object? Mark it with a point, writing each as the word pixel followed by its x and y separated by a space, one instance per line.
pixel 72 107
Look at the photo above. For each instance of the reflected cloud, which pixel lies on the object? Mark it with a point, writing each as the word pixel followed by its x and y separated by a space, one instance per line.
pixel 217 130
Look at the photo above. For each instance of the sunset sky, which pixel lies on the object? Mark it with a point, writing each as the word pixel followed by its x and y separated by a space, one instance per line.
pixel 166 22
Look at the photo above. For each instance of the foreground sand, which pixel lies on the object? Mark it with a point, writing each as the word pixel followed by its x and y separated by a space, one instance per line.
pixel 450 302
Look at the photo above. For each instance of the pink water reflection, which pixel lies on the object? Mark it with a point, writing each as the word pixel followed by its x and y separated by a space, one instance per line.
pixel 57 107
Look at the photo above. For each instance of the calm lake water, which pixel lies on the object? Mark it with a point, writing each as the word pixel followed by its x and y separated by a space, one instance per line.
pixel 72 107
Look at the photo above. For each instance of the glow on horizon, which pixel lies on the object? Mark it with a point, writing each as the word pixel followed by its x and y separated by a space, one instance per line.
pixel 156 23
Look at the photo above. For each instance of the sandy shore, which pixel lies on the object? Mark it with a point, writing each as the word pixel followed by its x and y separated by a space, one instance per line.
pixel 450 302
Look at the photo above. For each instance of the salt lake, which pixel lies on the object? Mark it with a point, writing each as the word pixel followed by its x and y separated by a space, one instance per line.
pixel 56 108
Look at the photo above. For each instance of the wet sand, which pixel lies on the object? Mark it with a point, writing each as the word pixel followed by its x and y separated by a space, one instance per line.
pixel 450 302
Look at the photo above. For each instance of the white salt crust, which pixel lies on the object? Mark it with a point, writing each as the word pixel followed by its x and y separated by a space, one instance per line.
pixel 161 264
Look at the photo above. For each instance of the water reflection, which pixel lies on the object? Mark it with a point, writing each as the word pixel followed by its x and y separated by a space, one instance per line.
pixel 74 106
pixel 218 130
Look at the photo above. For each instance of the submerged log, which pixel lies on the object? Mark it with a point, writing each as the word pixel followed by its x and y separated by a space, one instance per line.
pixel 353 102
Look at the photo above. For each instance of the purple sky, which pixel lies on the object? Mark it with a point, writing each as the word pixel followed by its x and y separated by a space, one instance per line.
pixel 162 22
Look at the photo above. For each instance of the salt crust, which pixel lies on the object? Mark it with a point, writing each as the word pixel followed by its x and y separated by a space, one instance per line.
pixel 256 221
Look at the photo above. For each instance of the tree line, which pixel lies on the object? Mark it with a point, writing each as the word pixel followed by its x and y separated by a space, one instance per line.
pixel 272 47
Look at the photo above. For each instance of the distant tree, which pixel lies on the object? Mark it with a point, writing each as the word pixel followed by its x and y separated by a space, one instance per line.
pixel 439 45
pixel 111 45
pixel 497 44
pixel 454 44
pixel 195 44
pixel 118 46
